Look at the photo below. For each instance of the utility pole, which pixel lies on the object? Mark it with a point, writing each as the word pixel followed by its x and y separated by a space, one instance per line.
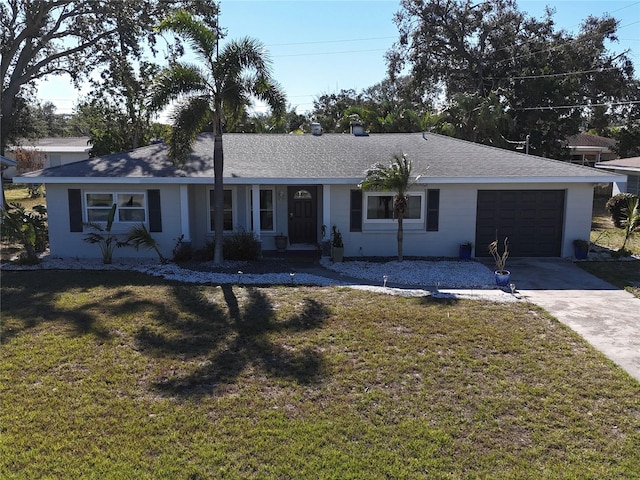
pixel 521 144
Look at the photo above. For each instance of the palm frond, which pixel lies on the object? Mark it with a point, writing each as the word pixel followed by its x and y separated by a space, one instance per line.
pixel 139 236
pixel 189 119
pixel 175 82
pixel 201 38
pixel 242 54
pixel 270 92
pixel 394 177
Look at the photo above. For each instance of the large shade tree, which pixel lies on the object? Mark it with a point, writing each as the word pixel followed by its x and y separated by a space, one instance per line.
pixel 221 85
pixel 396 178
pixel 40 38
pixel 545 78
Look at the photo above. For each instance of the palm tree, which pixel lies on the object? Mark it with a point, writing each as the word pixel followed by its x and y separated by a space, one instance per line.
pixel 220 87
pixel 396 178
pixel 631 220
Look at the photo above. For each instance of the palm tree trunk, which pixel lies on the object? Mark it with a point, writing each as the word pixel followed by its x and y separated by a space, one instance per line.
pixel 400 235
pixel 218 192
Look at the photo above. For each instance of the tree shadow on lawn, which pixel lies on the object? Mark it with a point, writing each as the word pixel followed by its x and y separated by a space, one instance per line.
pixel 233 340
pixel 34 298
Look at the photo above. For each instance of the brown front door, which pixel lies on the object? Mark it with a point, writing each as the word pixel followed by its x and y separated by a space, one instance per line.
pixel 303 214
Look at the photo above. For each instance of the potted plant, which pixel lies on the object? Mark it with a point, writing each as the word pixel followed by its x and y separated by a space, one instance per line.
pixel 337 246
pixel 281 242
pixel 502 274
pixel 325 243
pixel 580 248
pixel 465 250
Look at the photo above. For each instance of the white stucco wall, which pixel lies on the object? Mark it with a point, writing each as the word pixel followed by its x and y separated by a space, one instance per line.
pixel 64 243
pixel 457 221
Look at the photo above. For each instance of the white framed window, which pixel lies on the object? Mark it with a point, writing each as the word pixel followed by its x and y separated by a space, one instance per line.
pixel 228 210
pixel 379 207
pixel 131 207
pixel 267 209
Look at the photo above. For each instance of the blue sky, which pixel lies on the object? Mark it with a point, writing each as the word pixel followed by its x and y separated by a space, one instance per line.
pixel 324 46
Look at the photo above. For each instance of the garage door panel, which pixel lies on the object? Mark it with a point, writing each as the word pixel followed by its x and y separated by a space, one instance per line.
pixel 532 219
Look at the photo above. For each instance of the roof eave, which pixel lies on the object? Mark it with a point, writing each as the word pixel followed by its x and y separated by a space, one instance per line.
pixel 613 177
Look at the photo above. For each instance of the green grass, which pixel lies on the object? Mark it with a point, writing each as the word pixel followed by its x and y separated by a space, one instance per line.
pixel 622 274
pixel 20 194
pixel 604 234
pixel 120 375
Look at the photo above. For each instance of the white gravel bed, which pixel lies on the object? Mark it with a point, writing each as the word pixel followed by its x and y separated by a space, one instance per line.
pixel 172 271
pixel 442 279
pixel 438 274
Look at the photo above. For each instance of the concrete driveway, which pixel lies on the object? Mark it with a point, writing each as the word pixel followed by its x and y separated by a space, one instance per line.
pixel 607 317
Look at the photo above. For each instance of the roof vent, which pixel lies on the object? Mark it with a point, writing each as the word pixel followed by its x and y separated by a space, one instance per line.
pixel 316 129
pixel 357 129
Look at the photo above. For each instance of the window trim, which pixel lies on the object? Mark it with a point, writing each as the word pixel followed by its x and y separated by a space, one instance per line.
pixel 365 210
pixel 273 207
pixel 234 220
pixel 114 199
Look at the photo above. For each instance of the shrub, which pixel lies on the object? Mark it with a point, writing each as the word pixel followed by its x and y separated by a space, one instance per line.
pixel 625 213
pixel 27 228
pixel 241 246
pixel 617 207
pixel 182 252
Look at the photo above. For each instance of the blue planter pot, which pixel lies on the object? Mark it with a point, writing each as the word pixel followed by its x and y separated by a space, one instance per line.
pixel 465 252
pixel 580 253
pixel 502 279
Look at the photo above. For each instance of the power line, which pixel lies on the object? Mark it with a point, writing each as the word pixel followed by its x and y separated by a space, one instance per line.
pixel 327 53
pixel 547 75
pixel 556 47
pixel 565 107
pixel 330 41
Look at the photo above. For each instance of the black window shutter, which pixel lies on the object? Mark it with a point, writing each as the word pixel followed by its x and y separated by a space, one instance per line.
pixel 75 209
pixel 155 214
pixel 433 210
pixel 355 223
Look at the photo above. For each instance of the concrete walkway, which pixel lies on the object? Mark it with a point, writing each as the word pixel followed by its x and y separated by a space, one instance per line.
pixel 605 316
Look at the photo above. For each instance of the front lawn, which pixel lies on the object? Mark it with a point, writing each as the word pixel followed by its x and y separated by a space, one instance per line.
pixel 121 375
pixel 622 274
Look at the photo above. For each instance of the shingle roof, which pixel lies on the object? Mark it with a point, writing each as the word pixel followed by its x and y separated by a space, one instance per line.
pixel 46 142
pixel 330 158
pixel 588 140
pixel 632 162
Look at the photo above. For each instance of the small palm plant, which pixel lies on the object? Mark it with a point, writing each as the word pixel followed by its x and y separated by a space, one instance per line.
pixel 631 220
pixel 102 235
pixel 139 236
pixel 396 178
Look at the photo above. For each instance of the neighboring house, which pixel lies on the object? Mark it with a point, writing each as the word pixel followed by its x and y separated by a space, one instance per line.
pixel 626 166
pixel 55 150
pixel 4 162
pixel 587 149
pixel 295 184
